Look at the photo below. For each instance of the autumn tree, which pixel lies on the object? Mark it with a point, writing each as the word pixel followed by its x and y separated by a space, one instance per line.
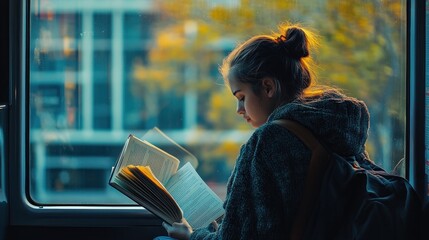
pixel 361 51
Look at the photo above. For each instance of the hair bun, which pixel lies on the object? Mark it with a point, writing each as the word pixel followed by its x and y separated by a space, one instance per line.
pixel 295 42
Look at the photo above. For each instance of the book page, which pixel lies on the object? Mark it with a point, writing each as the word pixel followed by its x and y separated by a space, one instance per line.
pixel 139 184
pixel 163 198
pixel 138 152
pixel 164 142
pixel 199 203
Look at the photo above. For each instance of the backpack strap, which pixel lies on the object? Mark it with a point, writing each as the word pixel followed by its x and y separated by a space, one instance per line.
pixel 318 164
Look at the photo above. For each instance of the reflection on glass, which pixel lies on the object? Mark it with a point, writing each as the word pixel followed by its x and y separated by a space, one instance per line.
pixel 100 70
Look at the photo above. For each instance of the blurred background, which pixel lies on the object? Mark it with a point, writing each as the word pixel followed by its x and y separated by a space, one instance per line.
pixel 100 70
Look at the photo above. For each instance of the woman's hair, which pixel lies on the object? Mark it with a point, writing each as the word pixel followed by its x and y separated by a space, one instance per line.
pixel 284 56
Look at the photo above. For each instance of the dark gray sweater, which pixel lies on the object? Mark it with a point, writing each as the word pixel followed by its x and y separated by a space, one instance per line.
pixel 267 182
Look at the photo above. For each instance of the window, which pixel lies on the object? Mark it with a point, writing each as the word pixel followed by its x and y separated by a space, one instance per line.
pixel 100 70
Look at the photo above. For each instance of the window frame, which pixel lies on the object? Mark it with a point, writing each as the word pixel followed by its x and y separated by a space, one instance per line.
pixel 23 212
pixel 416 92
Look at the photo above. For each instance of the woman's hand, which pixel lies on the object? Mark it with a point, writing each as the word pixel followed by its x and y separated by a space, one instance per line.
pixel 181 231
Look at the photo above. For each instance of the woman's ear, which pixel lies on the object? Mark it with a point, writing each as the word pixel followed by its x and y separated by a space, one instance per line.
pixel 269 86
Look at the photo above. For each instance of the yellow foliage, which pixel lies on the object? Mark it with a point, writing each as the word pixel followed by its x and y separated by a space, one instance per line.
pixel 171 10
pixel 342 38
pixel 364 23
pixel 217 101
pixel 152 78
pixel 227 150
pixel 169 39
pixel 340 78
pixel 387 70
pixel 396 8
pixel 228 147
pixel 220 14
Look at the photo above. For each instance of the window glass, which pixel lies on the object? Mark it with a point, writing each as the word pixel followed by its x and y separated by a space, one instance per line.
pixel 100 70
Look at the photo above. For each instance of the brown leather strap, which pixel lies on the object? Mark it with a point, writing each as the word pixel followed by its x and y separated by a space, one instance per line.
pixel 318 163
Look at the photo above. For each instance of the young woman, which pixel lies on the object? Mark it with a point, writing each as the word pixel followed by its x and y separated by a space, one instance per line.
pixel 271 77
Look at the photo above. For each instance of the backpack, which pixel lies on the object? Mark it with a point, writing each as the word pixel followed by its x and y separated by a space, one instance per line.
pixel 351 198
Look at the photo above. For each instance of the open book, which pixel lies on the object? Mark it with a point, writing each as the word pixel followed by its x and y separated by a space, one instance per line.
pixel 151 177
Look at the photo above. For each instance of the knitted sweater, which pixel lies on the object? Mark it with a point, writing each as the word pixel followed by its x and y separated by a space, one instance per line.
pixel 266 184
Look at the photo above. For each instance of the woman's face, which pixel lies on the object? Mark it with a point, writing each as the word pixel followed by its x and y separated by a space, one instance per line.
pixel 254 107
